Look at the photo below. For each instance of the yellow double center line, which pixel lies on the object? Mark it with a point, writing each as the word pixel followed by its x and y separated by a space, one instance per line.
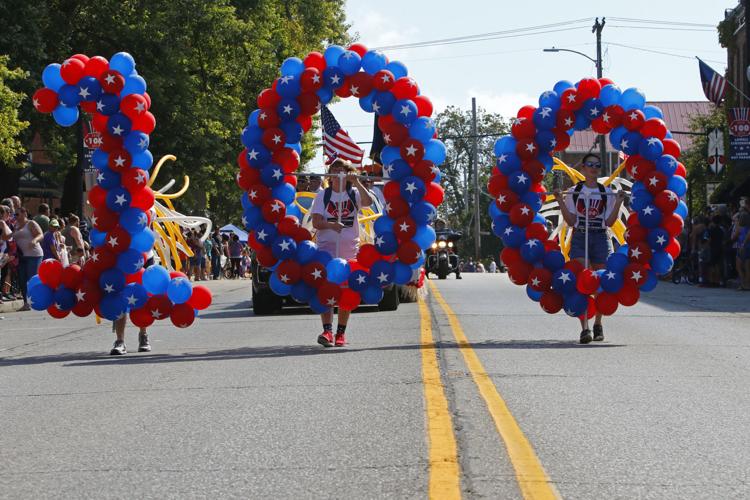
pixel 532 479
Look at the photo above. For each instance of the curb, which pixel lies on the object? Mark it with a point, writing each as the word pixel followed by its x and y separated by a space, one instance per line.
pixel 11 306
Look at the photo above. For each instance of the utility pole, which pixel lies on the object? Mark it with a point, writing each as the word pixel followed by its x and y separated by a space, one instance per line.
pixel 475 167
pixel 597 28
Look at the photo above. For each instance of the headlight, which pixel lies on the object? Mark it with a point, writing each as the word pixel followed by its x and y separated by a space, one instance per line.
pixel 450 244
pixel 441 244
pixel 434 245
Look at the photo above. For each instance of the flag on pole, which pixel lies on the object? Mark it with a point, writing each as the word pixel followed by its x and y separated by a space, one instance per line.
pixel 714 85
pixel 336 142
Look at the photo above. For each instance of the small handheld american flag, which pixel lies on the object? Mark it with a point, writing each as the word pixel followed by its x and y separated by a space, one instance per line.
pixel 336 142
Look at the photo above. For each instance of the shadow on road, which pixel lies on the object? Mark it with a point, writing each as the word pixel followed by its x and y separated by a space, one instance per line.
pixel 102 359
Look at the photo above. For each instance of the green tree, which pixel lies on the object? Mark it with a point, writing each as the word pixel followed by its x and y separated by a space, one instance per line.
pixel 11 125
pixel 205 63
pixel 454 126
pixel 696 159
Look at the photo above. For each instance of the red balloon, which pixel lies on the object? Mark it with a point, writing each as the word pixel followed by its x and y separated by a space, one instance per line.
pixel 289 272
pixel 394 134
pixel 81 57
pixel 638 167
pixel 606 303
pixel 359 48
pixel 562 141
pixel 654 127
pixel 570 100
pixel 287 158
pixel 574 266
pixel 613 115
pixel 145 122
pixel 628 294
pixel 305 121
pixel 265 256
pixel 526 112
pixel 405 228
pixel 383 80
pixel 519 272
pixel 424 105
pixel 135 179
pixel 522 128
pixel 540 279
pixel 103 257
pixel 681 171
pixel 405 88
pixel 117 240
pixel 633 119
pixel 635 274
pixel 527 149
pixel 426 170
pixel 311 80
pixel 535 169
pixel 367 255
pixel 99 123
pixel 566 119
pixel 274 138
pixel 315 60
pixel 201 297
pixel 360 84
pixel 640 252
pixel 182 315
pixel 273 211
pixel 72 70
pixel 329 294
pixel 110 143
pixel 666 201
pixel 50 272
pixel 95 66
pixel 536 230
pixel 635 234
pixel 673 248
pixel 177 274
pixel 671 147
pixel 497 183
pixel 309 104
pixel 142 317
pixel 45 100
pixel 349 299
pixel 587 282
pixel 82 309
pixel 589 88
pixel 412 151
pixel 601 125
pixel 673 223
pixel 521 214
pixel 289 225
pixel 409 252
pixel 267 100
pixel 159 306
pixel 120 160
pixel 656 182
pixel 551 302
pixel 105 219
pixel 434 194
pixel 111 81
pixel 133 106
pixel 143 199
pixel 72 276
pixel 510 256
pixel 136 277
pixel 57 313
pixel 91 271
pixel 314 274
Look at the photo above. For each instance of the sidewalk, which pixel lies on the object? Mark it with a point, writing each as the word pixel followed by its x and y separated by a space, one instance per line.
pixel 10 306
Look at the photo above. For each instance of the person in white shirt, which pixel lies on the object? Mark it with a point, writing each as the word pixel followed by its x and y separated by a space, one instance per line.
pixel 334 216
pixel 603 209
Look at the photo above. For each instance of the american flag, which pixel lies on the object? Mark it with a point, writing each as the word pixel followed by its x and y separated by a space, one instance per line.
pixel 714 85
pixel 336 142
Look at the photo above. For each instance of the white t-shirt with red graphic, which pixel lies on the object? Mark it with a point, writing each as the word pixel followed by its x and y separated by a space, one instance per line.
pixel 349 236
pixel 599 209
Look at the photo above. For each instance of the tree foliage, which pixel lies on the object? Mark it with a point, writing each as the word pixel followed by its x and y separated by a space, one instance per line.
pixel 10 124
pixel 454 126
pixel 205 63
pixel 695 159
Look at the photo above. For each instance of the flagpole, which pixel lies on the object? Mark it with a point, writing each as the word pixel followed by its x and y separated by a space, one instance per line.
pixel 728 81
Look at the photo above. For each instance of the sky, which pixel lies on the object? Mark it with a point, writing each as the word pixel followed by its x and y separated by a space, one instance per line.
pixel 507 73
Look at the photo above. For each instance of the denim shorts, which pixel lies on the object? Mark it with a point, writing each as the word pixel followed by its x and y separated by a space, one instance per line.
pixel 600 246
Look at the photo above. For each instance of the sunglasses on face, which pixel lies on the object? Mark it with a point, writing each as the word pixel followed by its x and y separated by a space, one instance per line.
pixel 593 164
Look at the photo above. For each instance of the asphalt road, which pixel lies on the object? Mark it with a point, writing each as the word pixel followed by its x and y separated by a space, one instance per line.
pixel 250 407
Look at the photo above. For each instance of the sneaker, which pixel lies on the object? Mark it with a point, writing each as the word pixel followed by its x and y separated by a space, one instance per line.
pixel 586 336
pixel 340 340
pixel 326 339
pixel 143 345
pixel 118 349
pixel 598 333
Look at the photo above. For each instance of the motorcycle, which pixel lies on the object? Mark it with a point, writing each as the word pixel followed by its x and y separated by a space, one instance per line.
pixel 442 259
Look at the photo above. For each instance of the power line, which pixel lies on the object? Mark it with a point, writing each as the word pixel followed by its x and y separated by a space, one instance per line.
pixel 659 28
pixel 484 36
pixel 643 49
pixel 654 21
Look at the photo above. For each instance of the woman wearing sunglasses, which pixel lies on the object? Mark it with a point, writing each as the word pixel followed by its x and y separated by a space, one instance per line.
pixel 603 208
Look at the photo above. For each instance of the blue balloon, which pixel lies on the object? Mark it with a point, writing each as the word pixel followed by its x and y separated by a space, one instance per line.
pixel 130 261
pixel 292 66
pixel 422 129
pixel 366 102
pixel 424 212
pixel 678 185
pixel 323 257
pixel 179 290
pixel 564 281
pixel 632 98
pixel 639 199
pixel 97 237
pixel 135 295
pixel 108 179
pixel 288 86
pixel 136 142
pixel 398 69
pixel 667 164
pixel 118 199
pixel 40 296
pixel 550 99
pixel 610 95
pixel 681 210
pixel 64 298
pixel 532 199
pixel 349 62
pixel 661 262
pixel 575 304
pixel 306 251
pixel 616 136
pixel 252 118
pixel 113 306
pixel 651 148
pixel 252 215
pixel 64 116
pixel 119 125
pixel 386 243
pixel 258 155
pixel 658 238
pixel 544 118
pixel 112 281
pixel 143 160
pixel 425 236
pixel 534 295
pixel 631 142
pixel 382 273
pixel 651 111
pixel 123 63
pixel 325 95
pixel 279 287
pixel 155 280
pixel 611 281
pixel 333 77
pixel 133 220
pixel 373 61
pixel 649 216
pixel 358 280
pixel 389 154
pixel 505 144
pixel 397 170
pixel 288 109
pixel 284 247
pixel 508 163
pixel 272 175
pixel 519 182
pixel 532 251
pixel 650 283
pixel 108 104
pixel 593 108
pixel 316 306
pixel 332 54
pixel 284 192
pixel 69 96
pixel 435 151
pixel 143 241
pixel 294 211
pixel 302 292
pixel 52 79
pixel 402 273
pixel 337 271
pixel 372 294
pixel 99 158
pixel 546 141
pixel 412 189
pixel 382 102
pixel 404 111
pixel 33 281
pixel 562 86
pixel 134 85
pixel 513 236
pixel 582 120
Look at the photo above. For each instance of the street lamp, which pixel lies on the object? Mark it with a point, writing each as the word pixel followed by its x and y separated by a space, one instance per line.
pixel 598 66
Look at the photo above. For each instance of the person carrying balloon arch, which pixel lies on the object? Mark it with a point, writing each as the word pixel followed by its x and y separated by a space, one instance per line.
pixel 603 209
pixel 334 216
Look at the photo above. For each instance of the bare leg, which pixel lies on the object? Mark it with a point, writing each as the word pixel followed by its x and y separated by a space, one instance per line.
pixel 327 317
pixel 344 316
pixel 120 328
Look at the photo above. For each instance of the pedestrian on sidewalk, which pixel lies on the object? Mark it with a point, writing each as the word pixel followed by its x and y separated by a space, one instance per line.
pixel 603 209
pixel 334 215
pixel 27 235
